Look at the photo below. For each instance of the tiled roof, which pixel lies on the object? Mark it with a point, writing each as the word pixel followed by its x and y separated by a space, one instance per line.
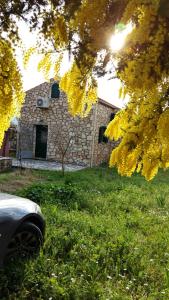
pixel 105 103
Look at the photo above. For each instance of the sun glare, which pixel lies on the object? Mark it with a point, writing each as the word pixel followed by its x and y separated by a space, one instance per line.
pixel 117 41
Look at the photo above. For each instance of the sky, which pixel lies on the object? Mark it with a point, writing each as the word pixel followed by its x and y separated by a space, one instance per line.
pixel 107 89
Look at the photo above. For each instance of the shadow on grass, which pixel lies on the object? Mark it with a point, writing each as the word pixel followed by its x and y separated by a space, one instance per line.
pixel 12 276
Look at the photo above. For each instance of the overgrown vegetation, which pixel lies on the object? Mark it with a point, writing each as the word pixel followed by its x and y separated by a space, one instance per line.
pixel 107 238
pixel 63 195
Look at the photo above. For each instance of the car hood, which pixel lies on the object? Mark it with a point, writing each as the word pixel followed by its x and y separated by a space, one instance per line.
pixel 16 207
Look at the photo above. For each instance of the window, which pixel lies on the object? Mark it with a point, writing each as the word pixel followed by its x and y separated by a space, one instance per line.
pixel 55 92
pixel 102 137
pixel 112 116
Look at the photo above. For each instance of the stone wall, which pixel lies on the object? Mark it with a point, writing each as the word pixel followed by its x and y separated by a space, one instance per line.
pixel 5 163
pixel 9 146
pixel 26 139
pixel 102 151
pixel 79 136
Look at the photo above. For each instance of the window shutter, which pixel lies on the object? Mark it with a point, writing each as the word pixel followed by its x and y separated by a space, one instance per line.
pixel 112 116
pixel 55 92
pixel 102 137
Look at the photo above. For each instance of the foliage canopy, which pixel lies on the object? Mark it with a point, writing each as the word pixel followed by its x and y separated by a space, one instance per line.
pixel 84 28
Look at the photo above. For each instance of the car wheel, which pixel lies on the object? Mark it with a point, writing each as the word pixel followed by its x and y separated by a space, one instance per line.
pixel 25 243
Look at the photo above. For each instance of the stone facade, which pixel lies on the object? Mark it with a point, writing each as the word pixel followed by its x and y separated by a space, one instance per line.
pixel 77 137
pixel 5 163
pixel 9 146
pixel 102 151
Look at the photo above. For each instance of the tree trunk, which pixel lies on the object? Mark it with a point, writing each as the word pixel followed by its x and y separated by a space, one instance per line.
pixel 63 167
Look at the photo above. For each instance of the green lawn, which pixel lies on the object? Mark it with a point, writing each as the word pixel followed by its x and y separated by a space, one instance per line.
pixel 107 237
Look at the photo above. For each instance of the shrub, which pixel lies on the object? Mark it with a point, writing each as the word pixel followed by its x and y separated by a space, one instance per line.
pixel 38 193
pixel 65 195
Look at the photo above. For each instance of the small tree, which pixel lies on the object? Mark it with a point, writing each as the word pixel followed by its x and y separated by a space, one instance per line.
pixel 64 137
pixel 63 144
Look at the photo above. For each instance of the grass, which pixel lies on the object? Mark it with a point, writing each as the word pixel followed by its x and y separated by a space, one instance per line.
pixel 109 241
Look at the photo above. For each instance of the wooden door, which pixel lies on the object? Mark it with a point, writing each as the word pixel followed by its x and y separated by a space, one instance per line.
pixel 41 141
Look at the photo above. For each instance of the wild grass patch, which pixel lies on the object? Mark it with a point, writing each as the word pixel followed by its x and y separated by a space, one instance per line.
pixel 107 238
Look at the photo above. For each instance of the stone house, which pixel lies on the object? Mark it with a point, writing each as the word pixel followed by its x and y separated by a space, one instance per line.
pixel 47 129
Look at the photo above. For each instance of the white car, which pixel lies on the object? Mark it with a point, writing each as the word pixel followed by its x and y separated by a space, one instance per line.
pixel 22 227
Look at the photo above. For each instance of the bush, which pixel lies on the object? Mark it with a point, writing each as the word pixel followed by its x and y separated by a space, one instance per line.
pixel 38 193
pixel 65 195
